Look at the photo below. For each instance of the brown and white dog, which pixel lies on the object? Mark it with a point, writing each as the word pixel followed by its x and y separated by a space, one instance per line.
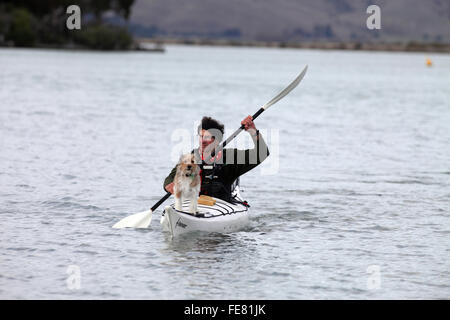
pixel 187 183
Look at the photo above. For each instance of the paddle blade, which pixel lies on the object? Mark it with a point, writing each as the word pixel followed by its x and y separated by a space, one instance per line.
pixel 137 220
pixel 286 90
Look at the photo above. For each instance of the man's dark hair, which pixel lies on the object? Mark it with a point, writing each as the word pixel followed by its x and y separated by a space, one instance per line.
pixel 210 123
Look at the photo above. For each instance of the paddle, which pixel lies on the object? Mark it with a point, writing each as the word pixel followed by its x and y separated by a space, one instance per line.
pixel 144 218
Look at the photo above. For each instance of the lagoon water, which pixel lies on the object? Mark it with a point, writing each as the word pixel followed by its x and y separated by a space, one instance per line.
pixel 353 203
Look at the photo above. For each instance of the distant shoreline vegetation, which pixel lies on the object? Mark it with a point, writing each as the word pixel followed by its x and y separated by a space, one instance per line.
pixel 42 24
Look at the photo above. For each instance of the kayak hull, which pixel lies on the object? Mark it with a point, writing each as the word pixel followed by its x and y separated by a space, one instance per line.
pixel 223 217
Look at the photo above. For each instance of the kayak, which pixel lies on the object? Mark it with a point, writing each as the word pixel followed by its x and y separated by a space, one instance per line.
pixel 221 217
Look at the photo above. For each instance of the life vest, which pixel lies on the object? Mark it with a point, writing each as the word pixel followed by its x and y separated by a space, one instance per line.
pixel 213 183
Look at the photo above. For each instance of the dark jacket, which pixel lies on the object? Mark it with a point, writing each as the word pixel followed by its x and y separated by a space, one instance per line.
pixel 228 168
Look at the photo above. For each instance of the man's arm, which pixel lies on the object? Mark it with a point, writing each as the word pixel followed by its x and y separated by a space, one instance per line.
pixel 250 158
pixel 168 182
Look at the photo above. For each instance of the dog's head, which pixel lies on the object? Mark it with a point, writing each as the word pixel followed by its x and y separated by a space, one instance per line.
pixel 187 166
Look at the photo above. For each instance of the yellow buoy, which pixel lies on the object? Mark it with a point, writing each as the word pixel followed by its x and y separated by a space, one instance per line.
pixel 429 63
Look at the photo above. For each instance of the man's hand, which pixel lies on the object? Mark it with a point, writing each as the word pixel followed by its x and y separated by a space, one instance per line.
pixel 169 187
pixel 249 125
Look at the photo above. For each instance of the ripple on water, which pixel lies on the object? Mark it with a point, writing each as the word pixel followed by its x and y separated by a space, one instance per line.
pixel 69 203
pixel 68 177
pixel 378 228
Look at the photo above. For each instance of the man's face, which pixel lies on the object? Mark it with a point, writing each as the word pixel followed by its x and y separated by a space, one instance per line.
pixel 206 139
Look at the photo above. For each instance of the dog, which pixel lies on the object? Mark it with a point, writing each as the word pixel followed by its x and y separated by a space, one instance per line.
pixel 187 183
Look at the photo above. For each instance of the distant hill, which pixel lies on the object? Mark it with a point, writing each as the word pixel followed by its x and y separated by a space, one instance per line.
pixel 292 20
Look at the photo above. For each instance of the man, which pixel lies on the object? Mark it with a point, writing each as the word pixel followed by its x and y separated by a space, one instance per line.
pixel 220 172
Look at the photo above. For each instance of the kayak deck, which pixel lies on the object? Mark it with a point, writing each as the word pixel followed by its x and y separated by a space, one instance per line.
pixel 221 217
pixel 220 208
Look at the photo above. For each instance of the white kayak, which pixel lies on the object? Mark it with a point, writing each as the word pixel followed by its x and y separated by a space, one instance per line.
pixel 221 217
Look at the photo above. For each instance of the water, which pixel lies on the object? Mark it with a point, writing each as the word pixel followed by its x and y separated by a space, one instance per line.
pixel 358 207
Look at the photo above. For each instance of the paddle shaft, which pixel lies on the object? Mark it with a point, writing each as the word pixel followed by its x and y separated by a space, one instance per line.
pixel 277 98
pixel 234 135
pixel 168 194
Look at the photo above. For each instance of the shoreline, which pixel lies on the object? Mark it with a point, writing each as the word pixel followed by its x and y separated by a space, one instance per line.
pixel 356 46
pixel 158 45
